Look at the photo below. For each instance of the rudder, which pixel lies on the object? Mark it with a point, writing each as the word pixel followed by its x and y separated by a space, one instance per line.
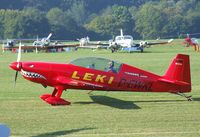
pixel 179 70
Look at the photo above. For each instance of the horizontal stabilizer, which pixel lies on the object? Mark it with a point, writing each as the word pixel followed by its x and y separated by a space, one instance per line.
pixel 173 81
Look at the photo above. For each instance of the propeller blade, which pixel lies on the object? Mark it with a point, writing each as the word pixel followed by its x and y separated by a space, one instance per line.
pixel 18 62
pixel 19 52
pixel 16 74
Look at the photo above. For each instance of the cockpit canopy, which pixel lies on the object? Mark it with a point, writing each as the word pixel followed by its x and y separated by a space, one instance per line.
pixel 125 37
pixel 96 63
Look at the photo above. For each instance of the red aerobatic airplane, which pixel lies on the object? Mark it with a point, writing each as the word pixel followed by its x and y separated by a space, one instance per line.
pixel 192 42
pixel 92 73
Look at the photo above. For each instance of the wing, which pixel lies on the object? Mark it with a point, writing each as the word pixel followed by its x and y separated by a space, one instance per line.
pixel 148 44
pixel 195 41
pixel 165 42
pixel 59 46
pixel 94 45
pixel 88 46
pixel 22 47
pixel 76 83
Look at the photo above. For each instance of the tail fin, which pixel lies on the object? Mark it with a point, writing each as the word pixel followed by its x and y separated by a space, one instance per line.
pixel 121 33
pixel 179 70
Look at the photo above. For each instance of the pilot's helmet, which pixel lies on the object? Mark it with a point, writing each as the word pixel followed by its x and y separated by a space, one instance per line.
pixel 111 64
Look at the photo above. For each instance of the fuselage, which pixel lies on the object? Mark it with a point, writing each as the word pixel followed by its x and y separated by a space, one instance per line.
pixel 128 78
pixel 191 41
pixel 124 40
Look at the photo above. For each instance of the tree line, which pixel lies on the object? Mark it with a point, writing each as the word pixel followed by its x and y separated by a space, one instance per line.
pixel 99 19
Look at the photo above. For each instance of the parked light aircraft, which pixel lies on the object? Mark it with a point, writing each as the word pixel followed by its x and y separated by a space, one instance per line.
pixel 39 44
pixel 87 44
pixel 43 41
pixel 92 73
pixel 126 43
pixel 192 42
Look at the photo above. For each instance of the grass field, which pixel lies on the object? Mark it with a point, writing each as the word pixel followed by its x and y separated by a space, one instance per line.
pixel 102 114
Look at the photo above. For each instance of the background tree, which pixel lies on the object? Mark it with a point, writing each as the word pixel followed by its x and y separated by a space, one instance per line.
pixel 55 19
pixel 10 23
pixel 2 12
pixel 99 19
pixel 111 21
pixel 150 21
pixel 32 23
pixel 79 13
pixel 193 21
pixel 63 24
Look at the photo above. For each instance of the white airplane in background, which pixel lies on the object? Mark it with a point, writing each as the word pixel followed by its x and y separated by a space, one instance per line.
pixel 43 41
pixel 126 43
pixel 123 40
pixel 11 43
pixel 38 45
pixel 84 41
pixel 87 44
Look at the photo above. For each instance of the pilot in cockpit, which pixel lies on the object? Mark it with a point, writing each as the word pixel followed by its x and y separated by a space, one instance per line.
pixel 110 67
pixel 92 66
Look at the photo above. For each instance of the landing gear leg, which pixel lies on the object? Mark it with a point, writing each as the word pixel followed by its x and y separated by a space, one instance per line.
pixel 90 92
pixel 55 97
pixel 45 96
pixel 54 92
pixel 189 98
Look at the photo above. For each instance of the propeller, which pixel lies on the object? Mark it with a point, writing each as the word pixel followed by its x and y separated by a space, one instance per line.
pixel 36 49
pixel 19 54
pixel 144 44
pixel 18 62
pixel 16 74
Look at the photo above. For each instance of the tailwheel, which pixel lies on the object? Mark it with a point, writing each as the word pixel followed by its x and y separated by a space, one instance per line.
pixel 55 98
pixel 189 98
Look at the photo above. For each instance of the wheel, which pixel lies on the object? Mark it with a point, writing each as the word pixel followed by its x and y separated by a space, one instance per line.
pixel 189 98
